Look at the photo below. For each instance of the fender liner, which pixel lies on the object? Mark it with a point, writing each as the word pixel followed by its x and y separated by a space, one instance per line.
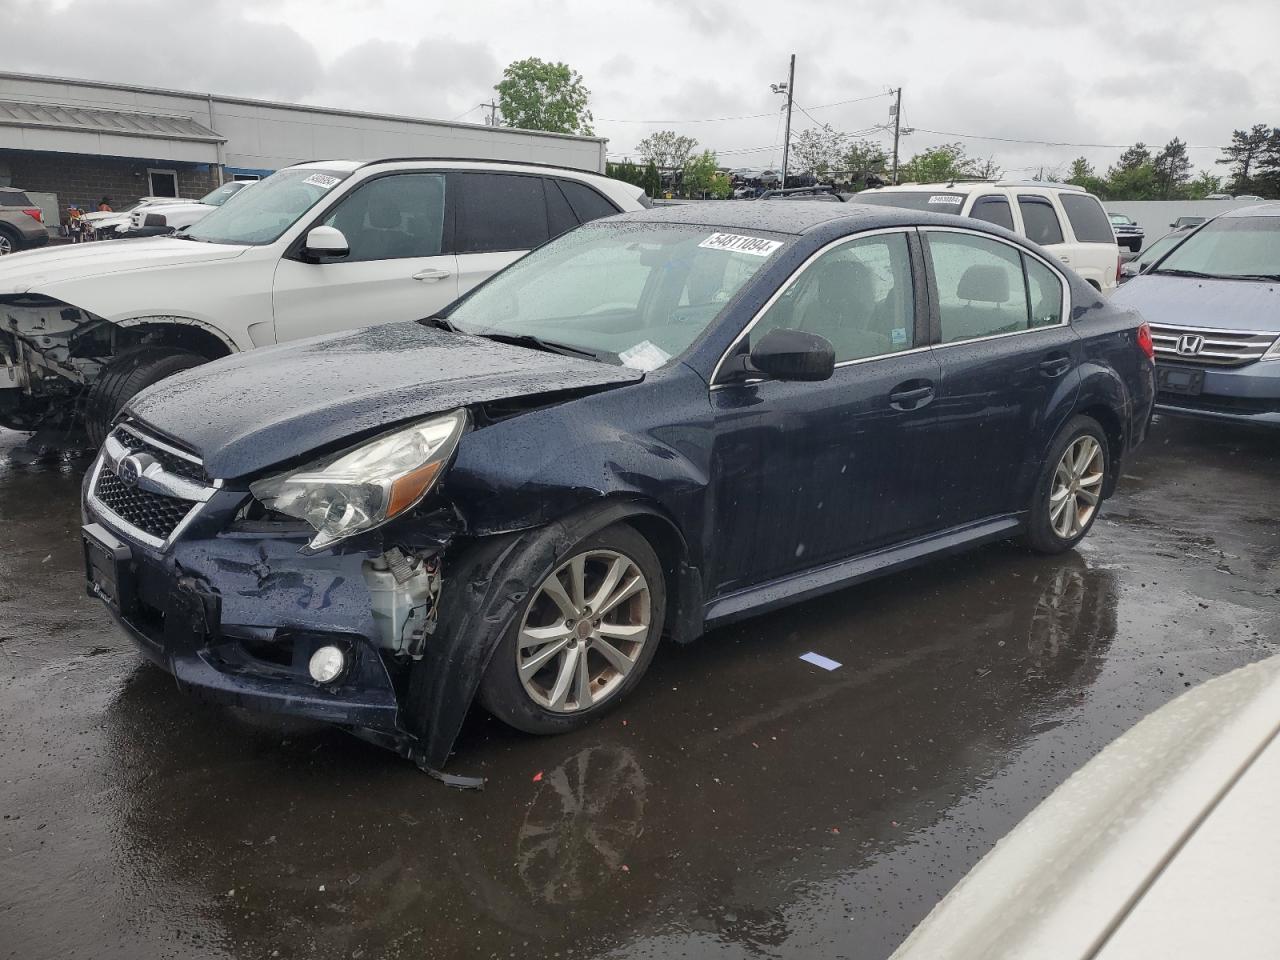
pixel 482 595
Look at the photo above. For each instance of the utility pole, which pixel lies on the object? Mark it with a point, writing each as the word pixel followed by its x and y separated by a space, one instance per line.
pixel 786 139
pixel 492 119
pixel 897 129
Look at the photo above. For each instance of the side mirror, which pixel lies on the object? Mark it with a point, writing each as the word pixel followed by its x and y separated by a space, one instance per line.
pixel 325 244
pixel 788 355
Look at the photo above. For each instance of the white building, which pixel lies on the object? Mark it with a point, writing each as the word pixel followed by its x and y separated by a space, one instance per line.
pixel 80 140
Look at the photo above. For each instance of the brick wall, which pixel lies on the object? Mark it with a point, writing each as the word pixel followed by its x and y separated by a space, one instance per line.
pixel 83 180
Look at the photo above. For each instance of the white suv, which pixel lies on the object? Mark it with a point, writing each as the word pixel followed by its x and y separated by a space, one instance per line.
pixel 1068 222
pixel 311 249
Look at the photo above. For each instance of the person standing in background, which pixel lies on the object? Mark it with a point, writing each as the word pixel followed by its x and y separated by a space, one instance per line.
pixel 74 224
pixel 104 205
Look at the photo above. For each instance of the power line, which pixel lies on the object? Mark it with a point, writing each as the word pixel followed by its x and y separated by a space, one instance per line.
pixel 1042 143
pixel 749 116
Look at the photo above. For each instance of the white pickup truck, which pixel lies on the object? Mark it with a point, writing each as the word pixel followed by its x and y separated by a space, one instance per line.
pixel 312 249
pixel 157 220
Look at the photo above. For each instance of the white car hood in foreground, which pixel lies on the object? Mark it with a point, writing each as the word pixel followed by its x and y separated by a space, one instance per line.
pixel 1167 844
pixel 38 271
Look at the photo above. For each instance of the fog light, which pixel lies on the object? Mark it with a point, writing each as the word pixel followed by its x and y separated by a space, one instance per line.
pixel 327 664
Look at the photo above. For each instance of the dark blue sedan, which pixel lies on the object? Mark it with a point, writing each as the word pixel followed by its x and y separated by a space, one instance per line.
pixel 658 423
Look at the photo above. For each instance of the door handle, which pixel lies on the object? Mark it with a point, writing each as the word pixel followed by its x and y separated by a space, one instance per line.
pixel 1055 366
pixel 431 275
pixel 907 397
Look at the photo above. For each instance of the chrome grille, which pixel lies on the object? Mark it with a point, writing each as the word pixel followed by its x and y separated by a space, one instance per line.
pixel 147 486
pixel 1208 347
pixel 152 513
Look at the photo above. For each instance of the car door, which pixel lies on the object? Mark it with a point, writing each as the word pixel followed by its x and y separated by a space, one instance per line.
pixel 1041 224
pixel 809 473
pixel 1096 250
pixel 1009 368
pixel 500 218
pixel 399 266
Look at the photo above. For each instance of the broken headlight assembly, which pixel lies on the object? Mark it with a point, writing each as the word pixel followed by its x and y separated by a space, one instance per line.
pixel 359 489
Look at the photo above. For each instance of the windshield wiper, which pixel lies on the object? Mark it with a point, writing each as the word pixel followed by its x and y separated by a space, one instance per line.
pixel 537 343
pixel 1274 277
pixel 1195 274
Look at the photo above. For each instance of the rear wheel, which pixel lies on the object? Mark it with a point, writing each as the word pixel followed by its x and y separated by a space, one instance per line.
pixel 585 637
pixel 1068 493
pixel 10 242
pixel 127 375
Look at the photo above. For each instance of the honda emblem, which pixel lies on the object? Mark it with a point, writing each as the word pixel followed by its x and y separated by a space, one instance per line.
pixel 1190 344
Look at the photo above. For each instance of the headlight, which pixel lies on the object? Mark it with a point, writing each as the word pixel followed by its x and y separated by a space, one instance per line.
pixel 360 489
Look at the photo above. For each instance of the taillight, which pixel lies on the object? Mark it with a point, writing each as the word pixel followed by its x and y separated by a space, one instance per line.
pixel 1145 343
pixel 35 213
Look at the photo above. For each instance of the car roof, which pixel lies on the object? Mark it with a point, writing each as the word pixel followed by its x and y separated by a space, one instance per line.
pixel 975 185
pixel 784 216
pixel 1258 210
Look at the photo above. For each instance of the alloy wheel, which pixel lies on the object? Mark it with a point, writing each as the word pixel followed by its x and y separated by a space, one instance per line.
pixel 584 631
pixel 6 245
pixel 1077 487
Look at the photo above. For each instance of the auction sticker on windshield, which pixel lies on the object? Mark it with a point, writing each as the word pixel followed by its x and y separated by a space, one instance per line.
pixel 946 198
pixel 321 180
pixel 735 243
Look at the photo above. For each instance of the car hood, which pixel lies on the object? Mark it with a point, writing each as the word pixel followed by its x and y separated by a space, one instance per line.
pixel 1187 302
pixel 251 411
pixel 32 271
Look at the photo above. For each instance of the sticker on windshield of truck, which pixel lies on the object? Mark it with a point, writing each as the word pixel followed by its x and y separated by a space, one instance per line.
pixel 321 180
pixel 735 243
pixel 946 198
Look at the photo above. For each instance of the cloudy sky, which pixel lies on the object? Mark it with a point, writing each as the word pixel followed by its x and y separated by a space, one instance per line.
pixel 1098 72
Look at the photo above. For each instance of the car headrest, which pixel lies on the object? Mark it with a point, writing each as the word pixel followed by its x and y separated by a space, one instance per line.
pixel 848 286
pixel 384 213
pixel 985 284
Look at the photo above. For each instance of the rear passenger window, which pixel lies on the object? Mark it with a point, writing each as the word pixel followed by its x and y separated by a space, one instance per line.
pixel 993 210
pixel 559 215
pixel 1044 291
pixel 586 203
pixel 858 296
pixel 1088 220
pixel 501 211
pixel 1040 220
pixel 12 198
pixel 981 292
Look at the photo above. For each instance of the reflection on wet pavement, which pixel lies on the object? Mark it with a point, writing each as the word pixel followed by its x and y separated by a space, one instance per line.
pixel 742 803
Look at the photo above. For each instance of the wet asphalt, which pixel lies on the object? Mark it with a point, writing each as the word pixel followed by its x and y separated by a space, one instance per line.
pixel 743 803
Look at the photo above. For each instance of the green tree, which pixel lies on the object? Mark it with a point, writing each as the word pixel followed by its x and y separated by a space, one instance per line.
pixel 1133 176
pixel 536 95
pixel 864 159
pixel 1247 154
pixel 817 150
pixel 652 181
pixel 1203 185
pixel 626 171
pixel 1082 175
pixel 1172 171
pixel 666 149
pixel 941 164
pixel 701 176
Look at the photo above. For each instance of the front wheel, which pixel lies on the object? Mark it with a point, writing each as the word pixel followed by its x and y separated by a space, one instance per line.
pixel 1068 492
pixel 585 637
pixel 126 375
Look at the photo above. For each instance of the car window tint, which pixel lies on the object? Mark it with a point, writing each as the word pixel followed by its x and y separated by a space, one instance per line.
pixel 993 210
pixel 586 203
pixel 857 295
pixel 393 217
pixel 13 199
pixel 1040 220
pixel 1088 220
pixel 559 214
pixel 1045 292
pixel 981 292
pixel 500 211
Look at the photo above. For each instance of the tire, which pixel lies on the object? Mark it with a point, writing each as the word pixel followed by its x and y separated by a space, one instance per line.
pixel 127 375
pixel 10 241
pixel 1047 529
pixel 528 704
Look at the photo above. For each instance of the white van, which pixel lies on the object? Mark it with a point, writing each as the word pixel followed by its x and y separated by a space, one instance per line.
pixel 1068 222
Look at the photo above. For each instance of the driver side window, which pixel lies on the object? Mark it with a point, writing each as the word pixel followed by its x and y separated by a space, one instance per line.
pixel 857 295
pixel 393 217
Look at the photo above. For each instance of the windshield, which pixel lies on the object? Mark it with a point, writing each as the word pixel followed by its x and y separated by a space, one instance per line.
pixel 933 201
pixel 269 209
pixel 635 294
pixel 1229 247
pixel 1158 249
pixel 1120 219
pixel 224 193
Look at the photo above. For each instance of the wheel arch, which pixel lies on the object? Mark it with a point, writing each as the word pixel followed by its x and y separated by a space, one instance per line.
pixel 184 333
